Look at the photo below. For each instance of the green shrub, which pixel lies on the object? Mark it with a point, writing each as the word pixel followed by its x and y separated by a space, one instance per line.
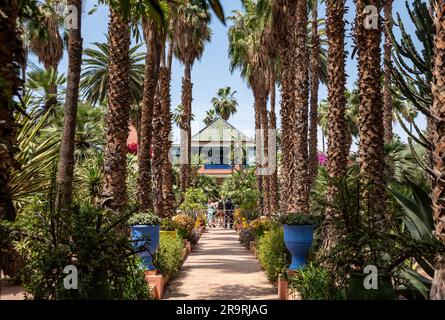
pixel 314 283
pixel 184 224
pixel 168 257
pixel 87 238
pixel 145 218
pixel 272 253
pixel 297 219
pixel 168 224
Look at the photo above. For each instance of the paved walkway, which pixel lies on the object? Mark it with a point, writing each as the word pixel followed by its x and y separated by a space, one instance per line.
pixel 220 268
pixel 10 291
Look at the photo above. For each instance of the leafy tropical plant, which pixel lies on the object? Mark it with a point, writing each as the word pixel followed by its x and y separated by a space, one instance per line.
pixel 36 156
pixel 313 283
pixel 241 188
pixel 195 199
pixel 94 78
pixel 90 133
pixel 168 256
pixel 225 103
pixel 41 83
pixel 184 224
pixel 272 253
pixel 210 117
pixel 144 218
pixel 297 219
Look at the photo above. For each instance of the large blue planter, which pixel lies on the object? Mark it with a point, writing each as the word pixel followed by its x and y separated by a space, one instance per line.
pixel 298 240
pixel 148 234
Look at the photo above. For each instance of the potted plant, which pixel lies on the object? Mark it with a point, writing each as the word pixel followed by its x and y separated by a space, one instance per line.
pixel 298 236
pixel 145 228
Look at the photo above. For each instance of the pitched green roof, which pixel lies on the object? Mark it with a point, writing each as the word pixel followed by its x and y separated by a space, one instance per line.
pixel 220 130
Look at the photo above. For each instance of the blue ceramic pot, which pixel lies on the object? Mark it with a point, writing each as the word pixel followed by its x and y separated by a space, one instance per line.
pixel 298 240
pixel 149 236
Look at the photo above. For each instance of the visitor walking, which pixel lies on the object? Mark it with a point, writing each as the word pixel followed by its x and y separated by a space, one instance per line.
pixel 211 208
pixel 220 213
pixel 229 207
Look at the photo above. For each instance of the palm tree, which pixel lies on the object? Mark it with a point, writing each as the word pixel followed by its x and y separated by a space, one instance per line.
pixel 177 113
pixel 191 32
pixel 65 169
pixel 211 116
pixel 246 54
pixel 224 103
pixel 314 85
pixel 40 81
pixel 336 115
pixel 387 94
pixel 89 135
pixel 118 110
pixel 151 29
pixel 45 41
pixel 12 57
pixel 95 76
pixel 290 20
pixel 371 153
pixel 437 134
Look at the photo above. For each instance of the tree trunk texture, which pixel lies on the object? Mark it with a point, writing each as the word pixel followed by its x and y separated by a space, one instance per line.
pixel 265 152
pixel 372 158
pixel 313 121
pixel 273 184
pixel 12 57
pixel 387 95
pixel 65 172
pixel 336 133
pixel 145 192
pixel 185 126
pixel 158 200
pixel 438 141
pixel 258 156
pixel 115 163
pixel 294 93
pixel 299 201
pixel 167 170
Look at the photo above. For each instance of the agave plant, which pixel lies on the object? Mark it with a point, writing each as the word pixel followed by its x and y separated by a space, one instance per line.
pixel 418 219
pixel 36 157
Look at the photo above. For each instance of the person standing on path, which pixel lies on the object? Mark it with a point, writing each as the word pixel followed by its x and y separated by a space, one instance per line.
pixel 211 213
pixel 228 213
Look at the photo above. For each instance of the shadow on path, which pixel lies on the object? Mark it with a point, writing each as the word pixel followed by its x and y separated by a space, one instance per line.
pixel 220 268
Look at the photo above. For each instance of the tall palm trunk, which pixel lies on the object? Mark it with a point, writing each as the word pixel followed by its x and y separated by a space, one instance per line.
pixel 185 126
pixel 145 195
pixel 314 65
pixel 284 16
pixel 273 184
pixel 158 200
pixel 262 103
pixel 258 145
pixel 336 134
pixel 372 158
pixel 387 95
pixel 299 200
pixel 117 113
pixel 438 141
pixel 167 170
pixel 65 170
pixel 10 56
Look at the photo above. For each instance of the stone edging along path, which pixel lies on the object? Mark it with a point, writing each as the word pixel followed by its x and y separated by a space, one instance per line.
pixel 220 268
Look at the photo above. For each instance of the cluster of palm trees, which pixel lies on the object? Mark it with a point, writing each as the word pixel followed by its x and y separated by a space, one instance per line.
pixel 270 40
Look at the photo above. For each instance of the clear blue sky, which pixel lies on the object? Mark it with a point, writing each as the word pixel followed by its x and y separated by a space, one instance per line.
pixel 212 71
